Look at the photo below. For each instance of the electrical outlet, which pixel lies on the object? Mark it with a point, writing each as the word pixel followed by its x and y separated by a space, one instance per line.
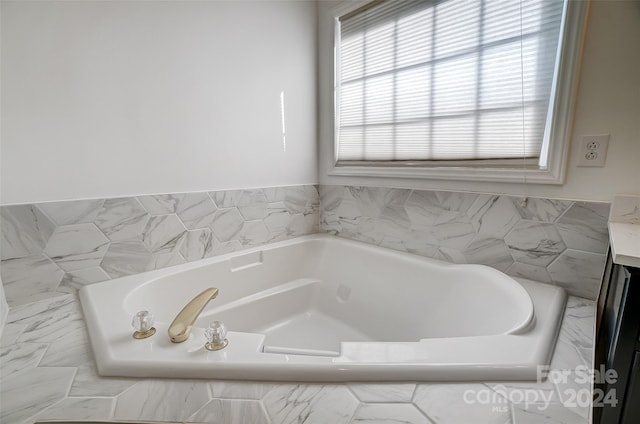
pixel 593 150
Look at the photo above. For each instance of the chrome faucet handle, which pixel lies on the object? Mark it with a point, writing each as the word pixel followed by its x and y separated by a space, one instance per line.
pixel 216 336
pixel 142 322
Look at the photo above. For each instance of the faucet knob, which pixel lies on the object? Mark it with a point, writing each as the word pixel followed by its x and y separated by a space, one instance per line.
pixel 142 322
pixel 216 336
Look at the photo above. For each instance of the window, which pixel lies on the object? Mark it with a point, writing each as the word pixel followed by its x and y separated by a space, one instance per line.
pixel 482 86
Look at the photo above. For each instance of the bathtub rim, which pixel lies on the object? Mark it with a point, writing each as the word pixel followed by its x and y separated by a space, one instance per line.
pixel 110 362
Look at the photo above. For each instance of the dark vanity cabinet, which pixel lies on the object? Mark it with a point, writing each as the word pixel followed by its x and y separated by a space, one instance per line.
pixel 617 400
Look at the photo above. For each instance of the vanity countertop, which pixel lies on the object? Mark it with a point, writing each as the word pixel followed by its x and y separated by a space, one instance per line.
pixel 625 243
pixel 624 230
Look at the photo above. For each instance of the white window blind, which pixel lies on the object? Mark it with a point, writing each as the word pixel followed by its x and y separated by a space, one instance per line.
pixel 446 80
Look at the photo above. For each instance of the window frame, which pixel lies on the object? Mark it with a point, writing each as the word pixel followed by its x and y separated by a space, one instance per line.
pixel 560 130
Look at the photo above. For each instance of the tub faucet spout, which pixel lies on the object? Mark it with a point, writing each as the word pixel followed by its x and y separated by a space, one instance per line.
pixel 180 328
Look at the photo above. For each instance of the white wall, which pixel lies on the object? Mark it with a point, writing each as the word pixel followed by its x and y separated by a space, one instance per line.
pixel 608 102
pixel 103 99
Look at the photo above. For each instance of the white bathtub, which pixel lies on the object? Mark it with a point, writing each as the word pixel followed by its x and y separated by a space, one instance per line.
pixel 320 308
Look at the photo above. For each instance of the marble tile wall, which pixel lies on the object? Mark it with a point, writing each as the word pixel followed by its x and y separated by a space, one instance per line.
pixel 551 241
pixel 48 374
pixel 49 249
pixel 4 307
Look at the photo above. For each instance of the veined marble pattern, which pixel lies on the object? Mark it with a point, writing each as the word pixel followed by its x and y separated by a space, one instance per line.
pixel 74 247
pixel 551 241
pixel 72 212
pixel 24 230
pixel 40 383
pixel 29 279
pixel 53 248
pixel 625 209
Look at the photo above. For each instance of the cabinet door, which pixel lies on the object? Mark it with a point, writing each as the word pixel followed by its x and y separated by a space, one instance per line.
pixel 617 338
pixel 631 411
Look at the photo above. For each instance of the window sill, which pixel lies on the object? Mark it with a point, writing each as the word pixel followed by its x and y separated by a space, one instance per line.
pixel 505 175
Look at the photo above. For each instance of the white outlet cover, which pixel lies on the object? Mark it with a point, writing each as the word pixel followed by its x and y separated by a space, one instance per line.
pixel 593 150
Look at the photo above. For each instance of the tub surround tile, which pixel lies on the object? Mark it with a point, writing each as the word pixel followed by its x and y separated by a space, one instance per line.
pixel 521 393
pixel 164 260
pixel 530 272
pixel 74 247
pixel 252 204
pixel 543 210
pixel 394 220
pixel 490 251
pixel 310 404
pixel 70 350
pixel 416 246
pixel 239 389
pixel 301 224
pixel 156 400
pixel 33 311
pixel 226 198
pixel 122 218
pixel 493 215
pixel 330 197
pixel 227 223
pixel 555 413
pixel 87 382
pixel 453 201
pixel 10 334
pixel 276 194
pixel 226 247
pixel 445 404
pixel 580 273
pixel 127 258
pixel 299 199
pixel 526 239
pixel 163 234
pixel 75 280
pixel 72 211
pixel 196 210
pixel 197 244
pixel 378 393
pixel 25 231
pixel 26 394
pixel 30 279
pixel 95 240
pixel 453 229
pixel 450 255
pixel 57 321
pixel 278 218
pixel 253 233
pixel 575 336
pixel 231 411
pixel 579 317
pixel 19 358
pixel 389 413
pixel 161 204
pixel 79 409
pixel 535 243
pixel 423 208
pixel 584 227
